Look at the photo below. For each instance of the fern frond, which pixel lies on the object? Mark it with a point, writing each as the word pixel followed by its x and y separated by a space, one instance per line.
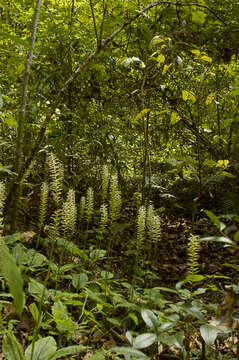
pixel 193 255
pixel 115 199
pixel 43 204
pixel 69 213
pixel 105 181
pixel 89 204
pixel 57 175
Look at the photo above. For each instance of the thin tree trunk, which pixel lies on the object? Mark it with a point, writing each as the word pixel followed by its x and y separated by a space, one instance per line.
pixel 21 121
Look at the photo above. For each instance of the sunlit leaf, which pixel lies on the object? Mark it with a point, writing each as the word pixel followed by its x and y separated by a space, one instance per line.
pixel 165 68
pixel 196 52
pixel 141 115
pixel 206 58
pixel 175 118
pixel 198 17
pixel 210 99
pixel 160 59
pixel 195 277
pixel 187 95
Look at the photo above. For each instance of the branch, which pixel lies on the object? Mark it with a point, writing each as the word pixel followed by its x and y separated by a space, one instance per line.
pixel 94 21
pixel 102 22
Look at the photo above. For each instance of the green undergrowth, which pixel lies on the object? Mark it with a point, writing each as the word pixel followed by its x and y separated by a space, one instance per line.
pixel 86 283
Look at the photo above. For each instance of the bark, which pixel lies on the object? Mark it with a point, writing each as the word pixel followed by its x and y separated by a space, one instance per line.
pixel 16 191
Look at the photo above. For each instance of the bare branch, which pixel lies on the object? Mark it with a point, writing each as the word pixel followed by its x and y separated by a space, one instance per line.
pixel 94 21
pixel 102 22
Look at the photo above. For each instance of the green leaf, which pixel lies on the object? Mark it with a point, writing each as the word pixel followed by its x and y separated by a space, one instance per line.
pixel 209 334
pixel 187 95
pixel 172 340
pixel 129 351
pixel 195 277
pixel 60 315
pixel 221 239
pixel 160 59
pixel 198 17
pixel 236 236
pixel 36 289
pixel 10 271
pixel 150 319
pixel 144 340
pixel 175 118
pixel 34 311
pixel 134 318
pixel 193 311
pixel 214 219
pixel 12 350
pixel 140 115
pixel 44 349
pixel 69 350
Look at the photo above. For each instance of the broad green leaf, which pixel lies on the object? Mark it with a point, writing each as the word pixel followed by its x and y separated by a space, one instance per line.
pixel 187 95
pixel 227 174
pixel 193 311
pixel 236 236
pixel 34 311
pixel 221 239
pixel 210 99
pixel 160 59
pixel 206 58
pixel 12 350
pixel 134 318
pixel 144 340
pixel 209 334
pixel 60 316
pixel 141 115
pixel 11 239
pixel 36 289
pixel 175 118
pixel 8 119
pixel 172 340
pixel 234 93
pixel 150 319
pixel 130 352
pixel 165 68
pixel 11 272
pixel 196 52
pixel 198 17
pixel 195 277
pixel 44 349
pixel 214 219
pixel 222 163
pixel 129 337
pixel 69 350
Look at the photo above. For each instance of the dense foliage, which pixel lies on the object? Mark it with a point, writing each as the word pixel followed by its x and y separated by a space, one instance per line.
pixel 118 120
